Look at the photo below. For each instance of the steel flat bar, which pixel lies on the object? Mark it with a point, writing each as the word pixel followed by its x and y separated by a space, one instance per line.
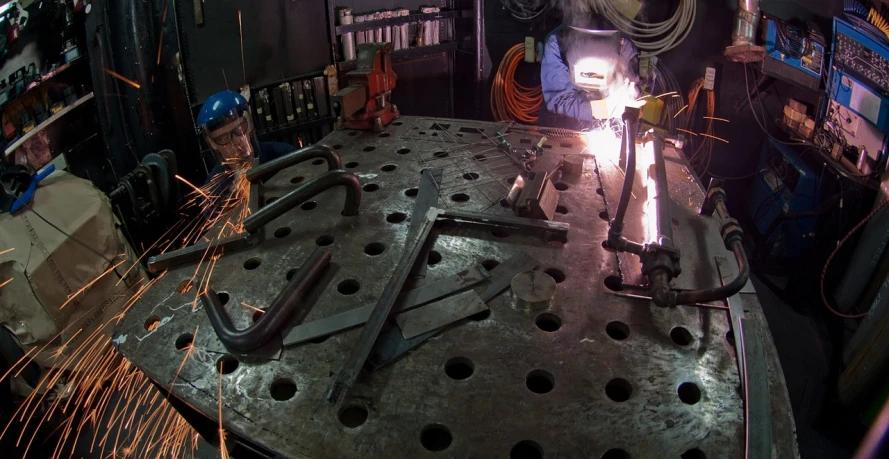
pixel 427 198
pixel 406 301
pixel 520 223
pixel 391 345
pixel 195 252
pixel 347 376
pixel 757 396
pixel 439 314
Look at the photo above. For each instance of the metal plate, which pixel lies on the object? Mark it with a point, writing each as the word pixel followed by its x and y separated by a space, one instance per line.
pixel 492 410
pixel 438 314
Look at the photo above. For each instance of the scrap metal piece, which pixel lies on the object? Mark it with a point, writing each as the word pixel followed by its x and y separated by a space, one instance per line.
pixel 427 198
pixel 279 312
pixel 391 345
pixel 532 291
pixel 436 315
pixel 197 251
pixel 541 227
pixel 378 318
pixel 406 301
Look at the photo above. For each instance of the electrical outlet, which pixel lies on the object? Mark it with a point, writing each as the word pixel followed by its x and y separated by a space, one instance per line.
pixel 710 78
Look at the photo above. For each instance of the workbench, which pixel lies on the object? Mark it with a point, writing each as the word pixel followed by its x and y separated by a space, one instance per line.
pixel 601 373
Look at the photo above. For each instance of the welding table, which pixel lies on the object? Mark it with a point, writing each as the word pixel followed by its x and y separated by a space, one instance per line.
pixel 615 364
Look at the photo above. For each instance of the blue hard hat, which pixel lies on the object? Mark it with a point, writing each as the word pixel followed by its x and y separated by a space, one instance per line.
pixel 221 106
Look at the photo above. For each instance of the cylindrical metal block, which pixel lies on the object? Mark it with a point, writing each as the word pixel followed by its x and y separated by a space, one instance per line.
pixel 533 291
pixel 348 39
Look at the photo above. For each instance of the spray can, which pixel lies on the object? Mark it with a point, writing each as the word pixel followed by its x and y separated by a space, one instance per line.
pixel 404 29
pixel 378 32
pixel 359 36
pixel 387 30
pixel 436 28
pixel 426 26
pixel 348 39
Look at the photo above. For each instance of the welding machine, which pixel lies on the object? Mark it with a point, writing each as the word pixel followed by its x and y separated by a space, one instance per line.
pixel 793 54
pixel 786 186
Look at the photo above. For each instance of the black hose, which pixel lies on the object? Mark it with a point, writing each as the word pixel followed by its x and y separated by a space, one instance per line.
pixel 306 192
pixel 278 313
pixel 615 230
pixel 267 170
pixel 727 290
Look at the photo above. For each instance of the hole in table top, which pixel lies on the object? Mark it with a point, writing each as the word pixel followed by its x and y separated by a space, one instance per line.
pixel 309 205
pixel 470 176
pixel 441 154
pixel 184 286
pixel 184 341
pixel 384 134
pixel 352 416
pixel 619 390
pixel 548 322
pixel 460 197
pixel 556 274
pixel 258 313
pixel 396 217
pixel 422 133
pixel 252 263
pixel 675 222
pixel 152 323
pixel 436 437
pixel 524 140
pixel 374 248
pixel 480 316
pixel 283 231
pixel 459 368
pixel 540 381
pixel 471 130
pixel 348 287
pixel 353 133
pixel 561 210
pixel 337 147
pixel 603 215
pixel 689 393
pixel 434 258
pixel 389 168
pixel 616 453
pixel 556 240
pixel 351 165
pixel 730 337
pixel 324 240
pixel 318 162
pixel 434 134
pixel 681 336
pixel 369 148
pixel 283 389
pixel 504 203
pixel 694 454
pixel 614 283
pixel 397 123
pixel 411 192
pixel 617 330
pixel 500 232
pixel 600 192
pixel 479 157
pixel 526 449
pixel 490 264
pixel 607 247
pixel 440 126
pixel 297 179
pixel 290 274
pixel 223 297
pixel 370 187
pixel 227 364
pixel 403 151
pixel 510 180
pixel 562 186
pixel 546 145
pixel 566 145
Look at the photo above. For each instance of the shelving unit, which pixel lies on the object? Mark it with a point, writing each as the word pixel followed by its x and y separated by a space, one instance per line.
pixel 403 55
pixel 47 122
pixel 43 78
pixel 418 17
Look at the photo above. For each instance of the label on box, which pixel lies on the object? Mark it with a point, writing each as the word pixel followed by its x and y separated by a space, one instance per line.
pixel 710 78
pixel 310 106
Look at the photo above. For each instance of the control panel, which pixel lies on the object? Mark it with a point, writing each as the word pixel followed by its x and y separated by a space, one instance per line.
pixel 867 63
pixel 793 55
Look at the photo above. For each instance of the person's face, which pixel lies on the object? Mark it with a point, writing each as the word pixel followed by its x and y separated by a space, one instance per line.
pixel 231 142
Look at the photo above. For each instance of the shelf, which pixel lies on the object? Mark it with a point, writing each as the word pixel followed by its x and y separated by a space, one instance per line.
pixel 297 127
pixel 47 122
pixel 40 82
pixel 417 17
pixel 406 54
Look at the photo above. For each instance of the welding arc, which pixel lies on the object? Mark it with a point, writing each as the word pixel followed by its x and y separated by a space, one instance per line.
pixel 509 99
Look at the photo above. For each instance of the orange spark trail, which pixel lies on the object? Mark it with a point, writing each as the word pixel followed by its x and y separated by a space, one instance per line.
pixel 90 284
pixel 160 41
pixel 717 119
pixel 714 137
pixel 680 111
pixel 3 284
pixel 123 78
pixel 688 132
pixel 192 186
pixel 4 252
pixel 665 94
pixel 252 307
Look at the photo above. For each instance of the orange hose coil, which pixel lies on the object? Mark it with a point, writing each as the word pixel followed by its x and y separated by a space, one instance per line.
pixel 509 99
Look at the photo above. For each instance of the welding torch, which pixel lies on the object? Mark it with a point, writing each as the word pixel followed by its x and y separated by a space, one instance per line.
pixel 661 258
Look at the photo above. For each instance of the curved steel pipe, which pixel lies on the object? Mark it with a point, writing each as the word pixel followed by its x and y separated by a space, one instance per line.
pixel 615 229
pixel 306 192
pixel 278 313
pixel 727 290
pixel 267 170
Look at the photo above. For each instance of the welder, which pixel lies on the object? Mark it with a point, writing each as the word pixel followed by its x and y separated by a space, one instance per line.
pixel 589 73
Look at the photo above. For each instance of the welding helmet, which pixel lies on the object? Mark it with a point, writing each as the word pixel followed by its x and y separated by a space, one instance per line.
pixel 227 127
pixel 591 47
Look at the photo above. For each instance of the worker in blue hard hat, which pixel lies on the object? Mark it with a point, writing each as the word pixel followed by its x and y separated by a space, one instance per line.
pixel 589 72
pixel 227 126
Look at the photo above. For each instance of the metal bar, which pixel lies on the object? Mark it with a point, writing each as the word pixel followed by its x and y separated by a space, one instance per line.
pixel 267 170
pixel 648 298
pixel 427 198
pixel 662 197
pixel 736 311
pixel 519 223
pixel 306 192
pixel 391 345
pixel 195 252
pixel 439 314
pixel 278 313
pixel 406 301
pixel 757 399
pixel 371 330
